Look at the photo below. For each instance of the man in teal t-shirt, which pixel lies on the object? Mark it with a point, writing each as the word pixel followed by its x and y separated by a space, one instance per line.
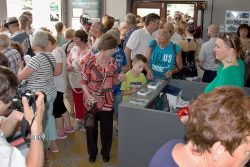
pixel 162 55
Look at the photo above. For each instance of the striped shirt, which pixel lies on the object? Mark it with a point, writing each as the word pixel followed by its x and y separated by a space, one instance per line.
pixel 13 56
pixel 42 77
pixel 99 82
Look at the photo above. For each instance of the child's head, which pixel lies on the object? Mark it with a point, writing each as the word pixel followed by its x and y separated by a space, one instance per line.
pixel 138 63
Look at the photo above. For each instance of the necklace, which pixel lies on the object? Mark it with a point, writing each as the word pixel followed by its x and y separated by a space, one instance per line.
pixel 229 62
pixel 102 63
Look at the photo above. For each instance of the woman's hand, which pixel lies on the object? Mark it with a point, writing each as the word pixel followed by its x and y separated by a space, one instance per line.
pixel 90 98
pixel 184 119
pixel 20 64
pixel 121 77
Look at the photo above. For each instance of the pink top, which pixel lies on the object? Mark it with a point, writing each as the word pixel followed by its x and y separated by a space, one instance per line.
pixel 76 55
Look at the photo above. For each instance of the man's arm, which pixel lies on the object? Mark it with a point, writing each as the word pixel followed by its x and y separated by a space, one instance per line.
pixel 147 66
pixel 201 65
pixel 201 58
pixel 128 57
pixel 179 63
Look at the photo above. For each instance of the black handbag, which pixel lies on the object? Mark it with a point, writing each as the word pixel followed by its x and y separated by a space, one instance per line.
pixel 30 50
pixel 89 119
pixel 95 106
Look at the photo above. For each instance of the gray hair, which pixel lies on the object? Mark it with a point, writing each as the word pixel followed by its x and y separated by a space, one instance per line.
pixel 169 26
pixel 213 30
pixel 40 39
pixel 162 32
pixel 131 18
pixel 4 40
pixel 115 33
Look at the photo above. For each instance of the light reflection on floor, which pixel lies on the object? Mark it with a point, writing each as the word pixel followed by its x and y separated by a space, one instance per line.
pixel 73 153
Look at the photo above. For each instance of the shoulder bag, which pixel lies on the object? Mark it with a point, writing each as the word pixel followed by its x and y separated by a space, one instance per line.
pixel 52 66
pixel 89 118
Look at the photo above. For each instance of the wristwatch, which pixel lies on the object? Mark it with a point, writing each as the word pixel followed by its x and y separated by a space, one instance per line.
pixel 38 137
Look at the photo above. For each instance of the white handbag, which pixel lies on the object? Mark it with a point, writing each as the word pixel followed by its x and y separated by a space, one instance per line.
pixel 74 80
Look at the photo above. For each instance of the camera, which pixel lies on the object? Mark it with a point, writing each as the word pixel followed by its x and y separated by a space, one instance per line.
pixel 22 91
pixel 86 19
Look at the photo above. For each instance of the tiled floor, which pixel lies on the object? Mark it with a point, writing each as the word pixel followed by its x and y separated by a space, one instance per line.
pixel 73 153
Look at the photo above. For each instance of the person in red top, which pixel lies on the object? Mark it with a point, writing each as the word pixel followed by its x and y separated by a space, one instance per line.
pixel 77 53
pixel 99 74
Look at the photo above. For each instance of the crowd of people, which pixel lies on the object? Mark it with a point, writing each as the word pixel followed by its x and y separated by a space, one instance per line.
pixel 104 64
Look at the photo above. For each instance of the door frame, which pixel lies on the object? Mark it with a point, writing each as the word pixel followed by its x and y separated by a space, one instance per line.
pixel 156 5
pixel 162 5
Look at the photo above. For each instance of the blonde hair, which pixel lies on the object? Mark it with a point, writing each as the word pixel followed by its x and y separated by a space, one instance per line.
pixel 59 28
pixel 69 33
pixel 23 22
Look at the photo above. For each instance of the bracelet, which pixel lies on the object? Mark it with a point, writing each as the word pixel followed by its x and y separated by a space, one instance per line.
pixel 40 137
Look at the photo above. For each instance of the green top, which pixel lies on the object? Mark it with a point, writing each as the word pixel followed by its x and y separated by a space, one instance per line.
pixel 229 76
pixel 132 82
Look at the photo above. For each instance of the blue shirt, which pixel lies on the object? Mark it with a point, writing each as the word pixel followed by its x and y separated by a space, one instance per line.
pixel 162 60
pixel 163 157
pixel 120 57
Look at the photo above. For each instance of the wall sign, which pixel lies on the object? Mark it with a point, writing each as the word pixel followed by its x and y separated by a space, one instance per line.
pixel 91 7
pixel 234 19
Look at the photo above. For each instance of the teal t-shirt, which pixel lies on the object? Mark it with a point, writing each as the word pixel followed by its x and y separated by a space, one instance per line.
pixel 230 76
pixel 162 60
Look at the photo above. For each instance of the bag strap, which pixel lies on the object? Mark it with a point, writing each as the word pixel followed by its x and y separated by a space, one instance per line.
pixel 103 81
pixel 66 48
pixel 30 48
pixel 47 57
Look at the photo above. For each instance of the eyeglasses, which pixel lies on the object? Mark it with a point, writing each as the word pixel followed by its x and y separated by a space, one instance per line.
pixel 229 39
pixel 177 18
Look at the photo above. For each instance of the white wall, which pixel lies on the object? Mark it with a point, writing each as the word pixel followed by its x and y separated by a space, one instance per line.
pixel 220 7
pixel 116 8
pixel 3 11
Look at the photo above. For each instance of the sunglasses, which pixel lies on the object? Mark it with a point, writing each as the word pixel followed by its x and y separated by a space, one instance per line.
pixel 230 40
pixel 177 18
